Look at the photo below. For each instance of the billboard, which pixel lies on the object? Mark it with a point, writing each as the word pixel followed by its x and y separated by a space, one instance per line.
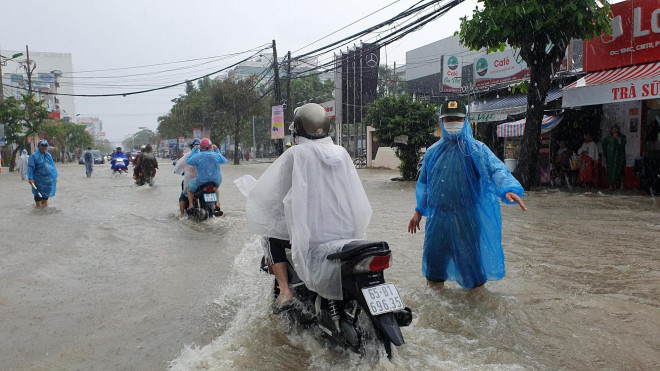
pixel 451 74
pixel 499 67
pixel 635 37
pixel 277 122
pixel 197 133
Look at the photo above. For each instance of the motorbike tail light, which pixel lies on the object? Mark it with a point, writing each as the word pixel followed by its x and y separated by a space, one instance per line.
pixel 373 264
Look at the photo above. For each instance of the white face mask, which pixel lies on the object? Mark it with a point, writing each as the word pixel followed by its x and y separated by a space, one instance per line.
pixel 453 127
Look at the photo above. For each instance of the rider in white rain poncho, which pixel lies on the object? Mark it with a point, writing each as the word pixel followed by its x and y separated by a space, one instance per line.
pixel 312 196
pixel 457 191
pixel 23 164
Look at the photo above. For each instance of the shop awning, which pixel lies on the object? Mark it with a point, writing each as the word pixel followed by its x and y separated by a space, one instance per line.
pixel 517 128
pixel 497 109
pixel 616 85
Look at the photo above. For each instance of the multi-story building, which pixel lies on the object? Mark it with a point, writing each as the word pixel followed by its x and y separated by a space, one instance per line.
pixel 51 80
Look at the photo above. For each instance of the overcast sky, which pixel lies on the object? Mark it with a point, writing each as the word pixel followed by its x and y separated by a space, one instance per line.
pixel 114 36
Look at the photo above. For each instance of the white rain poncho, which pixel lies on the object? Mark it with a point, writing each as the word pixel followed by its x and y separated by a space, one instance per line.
pixel 23 164
pixel 312 196
pixel 182 168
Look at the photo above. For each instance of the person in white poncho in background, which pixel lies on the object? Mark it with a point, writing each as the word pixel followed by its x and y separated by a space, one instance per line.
pixel 311 196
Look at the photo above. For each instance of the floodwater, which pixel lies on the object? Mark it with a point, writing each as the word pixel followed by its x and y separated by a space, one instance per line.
pixel 108 277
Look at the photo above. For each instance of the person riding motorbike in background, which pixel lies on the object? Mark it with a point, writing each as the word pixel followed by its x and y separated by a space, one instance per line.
pixel 182 168
pixel 311 196
pixel 119 159
pixel 147 163
pixel 207 168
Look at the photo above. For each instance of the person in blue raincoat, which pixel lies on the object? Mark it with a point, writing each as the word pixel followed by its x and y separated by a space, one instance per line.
pixel 206 162
pixel 457 192
pixel 42 174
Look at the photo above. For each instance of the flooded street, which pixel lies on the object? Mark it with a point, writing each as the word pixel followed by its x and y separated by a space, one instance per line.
pixel 108 277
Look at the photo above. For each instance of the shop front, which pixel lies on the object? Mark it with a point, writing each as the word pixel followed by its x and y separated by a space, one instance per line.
pixel 623 78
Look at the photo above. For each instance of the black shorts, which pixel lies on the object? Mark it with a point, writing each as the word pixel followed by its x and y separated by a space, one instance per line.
pixel 37 198
pixel 183 197
pixel 277 250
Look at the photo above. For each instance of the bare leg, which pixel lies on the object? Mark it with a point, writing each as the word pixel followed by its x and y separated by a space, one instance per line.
pixel 217 193
pixel 279 271
pixel 190 200
pixel 435 285
pixel 182 205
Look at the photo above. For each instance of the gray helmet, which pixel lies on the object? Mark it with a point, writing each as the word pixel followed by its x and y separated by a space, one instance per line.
pixel 310 121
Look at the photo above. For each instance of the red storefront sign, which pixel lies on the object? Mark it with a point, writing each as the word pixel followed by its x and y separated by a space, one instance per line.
pixel 635 37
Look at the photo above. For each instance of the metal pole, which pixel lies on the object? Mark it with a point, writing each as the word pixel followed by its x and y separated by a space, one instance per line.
pixel 254 138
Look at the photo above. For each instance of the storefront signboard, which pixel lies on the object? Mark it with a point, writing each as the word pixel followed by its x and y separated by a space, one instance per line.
pixel 635 37
pixel 499 67
pixel 451 74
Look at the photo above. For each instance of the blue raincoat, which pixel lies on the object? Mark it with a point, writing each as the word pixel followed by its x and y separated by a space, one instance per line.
pixel 41 169
pixel 207 166
pixel 118 159
pixel 457 191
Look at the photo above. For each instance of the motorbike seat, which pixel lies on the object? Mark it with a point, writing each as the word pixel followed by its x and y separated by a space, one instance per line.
pixel 353 249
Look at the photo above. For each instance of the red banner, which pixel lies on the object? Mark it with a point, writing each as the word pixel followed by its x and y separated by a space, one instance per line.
pixel 635 37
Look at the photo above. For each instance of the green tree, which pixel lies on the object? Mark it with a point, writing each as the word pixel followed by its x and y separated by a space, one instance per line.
pixel 541 30
pixel 22 118
pixel 191 110
pixel 401 116
pixel 388 83
pixel 234 101
pixel 310 89
pixel 143 137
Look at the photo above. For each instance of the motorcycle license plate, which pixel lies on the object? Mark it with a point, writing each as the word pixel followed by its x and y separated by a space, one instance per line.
pixel 210 197
pixel 382 298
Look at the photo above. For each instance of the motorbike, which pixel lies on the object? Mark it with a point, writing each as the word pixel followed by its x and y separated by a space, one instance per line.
pixel 141 178
pixel 648 169
pixel 119 164
pixel 204 203
pixel 371 309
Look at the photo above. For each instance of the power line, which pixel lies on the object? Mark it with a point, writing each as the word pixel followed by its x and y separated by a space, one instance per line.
pixel 147 90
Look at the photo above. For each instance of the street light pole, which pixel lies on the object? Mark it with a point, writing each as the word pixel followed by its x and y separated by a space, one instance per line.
pixel 2 95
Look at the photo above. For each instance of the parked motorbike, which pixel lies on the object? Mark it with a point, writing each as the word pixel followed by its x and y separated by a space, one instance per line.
pixel 142 178
pixel 119 164
pixel 648 169
pixel 370 306
pixel 204 203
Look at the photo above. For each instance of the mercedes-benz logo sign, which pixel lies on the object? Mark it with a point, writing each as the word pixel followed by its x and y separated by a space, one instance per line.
pixel 371 60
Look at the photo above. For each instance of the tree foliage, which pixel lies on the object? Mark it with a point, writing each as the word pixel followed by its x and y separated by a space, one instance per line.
pixel 394 117
pixel 22 118
pixel 541 30
pixel 310 89
pixel 143 137
pixel 235 101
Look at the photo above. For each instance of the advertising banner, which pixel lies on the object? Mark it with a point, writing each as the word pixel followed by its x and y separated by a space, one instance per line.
pixel 451 74
pixel 499 67
pixel 172 143
pixel 2 135
pixel 197 133
pixel 163 143
pixel 329 109
pixel 277 123
pixel 182 142
pixel 635 37
pixel 206 133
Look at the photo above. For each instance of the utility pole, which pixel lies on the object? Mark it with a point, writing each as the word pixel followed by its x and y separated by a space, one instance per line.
pixel 394 77
pixel 287 112
pixel 278 93
pixel 29 70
